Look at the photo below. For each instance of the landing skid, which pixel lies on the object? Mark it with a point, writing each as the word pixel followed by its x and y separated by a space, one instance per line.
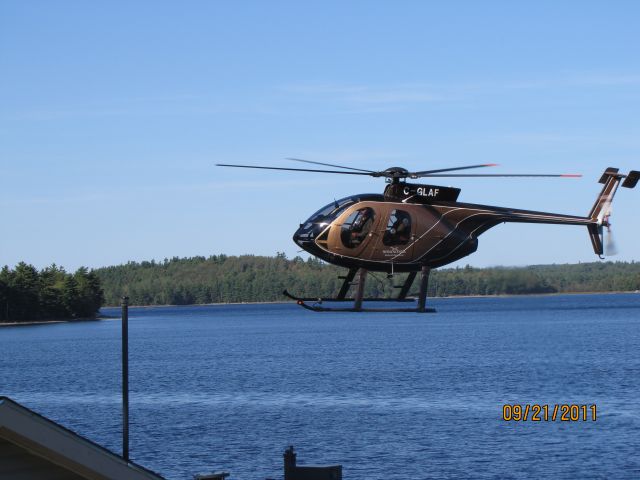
pixel 359 295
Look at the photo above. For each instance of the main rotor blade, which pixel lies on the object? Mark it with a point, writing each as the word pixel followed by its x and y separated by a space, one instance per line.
pixel 572 175
pixel 428 172
pixel 293 169
pixel 328 164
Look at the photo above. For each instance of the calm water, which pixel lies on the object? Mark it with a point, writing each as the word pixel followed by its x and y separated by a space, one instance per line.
pixel 388 396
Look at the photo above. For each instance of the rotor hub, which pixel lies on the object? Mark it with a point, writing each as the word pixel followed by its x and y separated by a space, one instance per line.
pixel 396 172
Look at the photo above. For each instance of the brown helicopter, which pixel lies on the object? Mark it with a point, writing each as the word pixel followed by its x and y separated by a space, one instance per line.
pixel 415 228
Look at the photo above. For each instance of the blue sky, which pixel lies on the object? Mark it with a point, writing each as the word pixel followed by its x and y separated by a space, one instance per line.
pixel 113 114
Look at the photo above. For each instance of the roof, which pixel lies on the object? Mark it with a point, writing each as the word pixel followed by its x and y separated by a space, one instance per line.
pixel 31 441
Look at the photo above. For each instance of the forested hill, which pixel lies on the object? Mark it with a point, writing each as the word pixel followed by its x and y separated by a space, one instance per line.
pixel 222 278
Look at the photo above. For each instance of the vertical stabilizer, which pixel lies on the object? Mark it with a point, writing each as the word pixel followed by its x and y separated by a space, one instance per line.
pixel 602 207
pixel 596 236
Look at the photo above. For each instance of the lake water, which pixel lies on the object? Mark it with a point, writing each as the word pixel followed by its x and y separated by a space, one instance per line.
pixel 387 395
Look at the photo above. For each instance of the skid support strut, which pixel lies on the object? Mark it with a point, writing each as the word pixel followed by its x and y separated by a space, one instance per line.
pixel 404 289
pixel 362 278
pixel 358 297
pixel 424 284
pixel 347 283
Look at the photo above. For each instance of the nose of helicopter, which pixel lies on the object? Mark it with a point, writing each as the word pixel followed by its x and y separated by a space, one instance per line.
pixel 305 234
pixel 298 236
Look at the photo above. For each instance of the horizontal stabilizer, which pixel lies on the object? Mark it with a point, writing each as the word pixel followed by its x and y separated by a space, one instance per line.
pixel 608 173
pixel 632 179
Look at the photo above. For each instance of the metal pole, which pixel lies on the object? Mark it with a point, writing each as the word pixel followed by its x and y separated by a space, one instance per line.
pixel 125 378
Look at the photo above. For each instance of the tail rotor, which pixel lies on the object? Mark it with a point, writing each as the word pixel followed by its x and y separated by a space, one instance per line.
pixel 610 247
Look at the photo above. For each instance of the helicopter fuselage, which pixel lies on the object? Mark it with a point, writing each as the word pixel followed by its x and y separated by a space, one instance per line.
pixel 408 227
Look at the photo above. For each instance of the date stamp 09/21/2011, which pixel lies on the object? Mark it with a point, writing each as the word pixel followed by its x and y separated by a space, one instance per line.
pixel 565 412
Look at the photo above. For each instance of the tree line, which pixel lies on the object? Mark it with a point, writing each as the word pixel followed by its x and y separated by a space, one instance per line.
pixel 248 278
pixel 27 294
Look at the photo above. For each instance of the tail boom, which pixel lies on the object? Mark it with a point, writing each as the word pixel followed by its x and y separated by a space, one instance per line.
pixel 598 217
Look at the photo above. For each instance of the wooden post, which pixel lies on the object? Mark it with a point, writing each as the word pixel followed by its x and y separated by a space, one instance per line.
pixel 289 463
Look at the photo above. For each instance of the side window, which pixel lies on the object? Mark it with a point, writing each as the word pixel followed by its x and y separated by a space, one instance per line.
pixel 398 230
pixel 356 227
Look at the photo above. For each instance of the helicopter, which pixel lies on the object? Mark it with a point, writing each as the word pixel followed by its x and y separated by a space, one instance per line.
pixel 415 228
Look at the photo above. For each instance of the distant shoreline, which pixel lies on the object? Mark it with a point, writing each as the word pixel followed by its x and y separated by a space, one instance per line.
pixel 501 295
pixel 284 302
pixel 47 322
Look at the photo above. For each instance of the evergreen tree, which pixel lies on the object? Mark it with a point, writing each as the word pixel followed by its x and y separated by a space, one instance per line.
pixel 26 294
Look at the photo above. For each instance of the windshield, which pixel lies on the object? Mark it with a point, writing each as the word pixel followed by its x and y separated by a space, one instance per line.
pixel 323 217
pixel 325 214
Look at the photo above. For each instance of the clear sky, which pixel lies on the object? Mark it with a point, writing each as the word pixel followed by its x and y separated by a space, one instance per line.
pixel 113 114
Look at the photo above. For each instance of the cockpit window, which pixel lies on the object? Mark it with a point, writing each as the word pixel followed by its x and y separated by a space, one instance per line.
pixel 318 222
pixel 398 230
pixel 329 212
pixel 356 227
